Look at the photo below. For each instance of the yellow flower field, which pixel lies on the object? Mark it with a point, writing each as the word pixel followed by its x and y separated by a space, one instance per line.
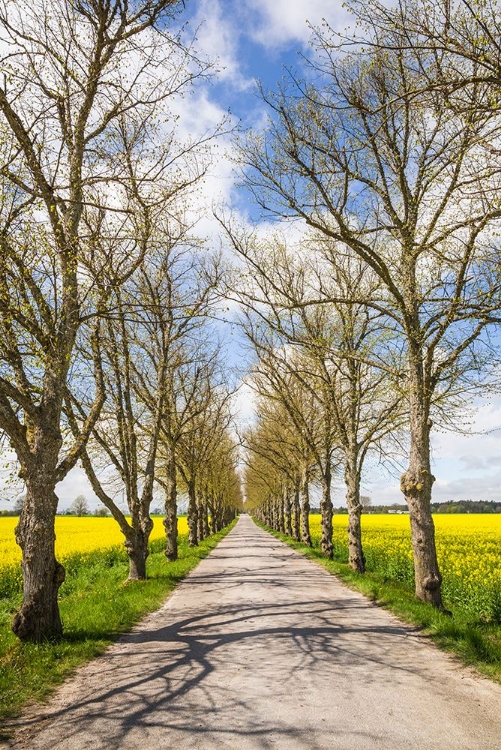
pixel 469 552
pixel 74 536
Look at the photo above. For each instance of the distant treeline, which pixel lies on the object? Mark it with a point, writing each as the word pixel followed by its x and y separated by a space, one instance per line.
pixel 451 506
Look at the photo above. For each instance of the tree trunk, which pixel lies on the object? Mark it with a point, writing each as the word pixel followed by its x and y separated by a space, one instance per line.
pixel 200 521
pixel 39 619
pixel 297 515
pixel 206 520
pixel 305 509
pixel 280 512
pixel 288 510
pixel 416 484
pixel 137 550
pixel 326 510
pixel 356 555
pixel 170 520
pixel 192 515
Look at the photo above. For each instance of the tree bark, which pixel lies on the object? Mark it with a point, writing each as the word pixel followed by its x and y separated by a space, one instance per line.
pixel 170 520
pixel 356 557
pixel 137 549
pixel 416 484
pixel 288 510
pixel 280 513
pixel 202 515
pixel 266 514
pixel 326 510
pixel 206 520
pixel 297 515
pixel 305 508
pixel 192 515
pixel 39 619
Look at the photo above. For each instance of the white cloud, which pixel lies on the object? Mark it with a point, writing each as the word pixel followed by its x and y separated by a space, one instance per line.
pixel 278 23
pixel 244 405
pixel 469 488
pixel 217 38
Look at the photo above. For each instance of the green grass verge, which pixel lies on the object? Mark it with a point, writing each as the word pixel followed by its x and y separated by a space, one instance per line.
pixel 476 643
pixel 95 607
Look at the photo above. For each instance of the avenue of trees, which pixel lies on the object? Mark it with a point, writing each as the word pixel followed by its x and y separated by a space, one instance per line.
pixel 370 315
pixel 380 321
pixel 105 353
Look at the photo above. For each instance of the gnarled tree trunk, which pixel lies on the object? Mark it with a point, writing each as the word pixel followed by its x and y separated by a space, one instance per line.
pixel 416 484
pixel 305 508
pixel 326 511
pixel 39 619
pixel 137 548
pixel 356 557
pixel 170 520
pixel 192 515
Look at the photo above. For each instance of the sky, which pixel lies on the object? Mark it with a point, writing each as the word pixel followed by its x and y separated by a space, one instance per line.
pixel 253 40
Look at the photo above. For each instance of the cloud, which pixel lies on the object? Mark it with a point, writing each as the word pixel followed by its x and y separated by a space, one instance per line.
pixel 217 39
pixel 469 488
pixel 280 23
pixel 472 463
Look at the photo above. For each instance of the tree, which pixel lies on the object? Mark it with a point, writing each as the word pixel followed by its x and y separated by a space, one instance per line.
pixel 205 400
pixel 181 294
pixel 71 72
pixel 79 506
pixel 402 182
pixel 345 351
pixel 459 40
pixel 279 377
pixel 275 458
pixel 101 512
pixel 142 348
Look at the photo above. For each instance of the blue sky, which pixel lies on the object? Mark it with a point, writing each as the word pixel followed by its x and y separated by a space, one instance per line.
pixel 255 39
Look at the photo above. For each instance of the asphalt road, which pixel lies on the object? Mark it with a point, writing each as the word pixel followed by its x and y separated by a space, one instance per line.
pixel 257 649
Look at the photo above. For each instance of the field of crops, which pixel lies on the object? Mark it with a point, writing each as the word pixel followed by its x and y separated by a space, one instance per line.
pixel 469 551
pixel 74 537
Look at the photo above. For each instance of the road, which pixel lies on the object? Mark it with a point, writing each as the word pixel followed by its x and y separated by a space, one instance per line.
pixel 260 648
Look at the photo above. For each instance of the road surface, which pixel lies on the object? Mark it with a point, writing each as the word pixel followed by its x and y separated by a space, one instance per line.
pixel 260 648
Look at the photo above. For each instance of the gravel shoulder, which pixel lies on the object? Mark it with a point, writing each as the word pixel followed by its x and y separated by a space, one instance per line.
pixel 260 648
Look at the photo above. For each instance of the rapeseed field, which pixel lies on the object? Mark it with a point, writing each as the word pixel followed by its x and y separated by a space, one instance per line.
pixel 468 547
pixel 75 537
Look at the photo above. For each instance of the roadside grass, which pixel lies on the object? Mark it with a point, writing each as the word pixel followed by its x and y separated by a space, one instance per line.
pixel 475 642
pixel 96 606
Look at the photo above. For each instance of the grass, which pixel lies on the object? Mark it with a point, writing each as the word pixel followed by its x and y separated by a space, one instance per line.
pixel 475 642
pixel 95 607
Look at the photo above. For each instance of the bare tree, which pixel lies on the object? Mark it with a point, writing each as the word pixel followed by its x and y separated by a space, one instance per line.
pixel 80 506
pixel 285 376
pixel 275 444
pixel 400 181
pixel 71 71
pixel 209 420
pixel 182 293
pixel 349 361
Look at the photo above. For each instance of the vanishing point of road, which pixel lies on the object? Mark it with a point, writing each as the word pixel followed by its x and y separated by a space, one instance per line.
pixel 260 648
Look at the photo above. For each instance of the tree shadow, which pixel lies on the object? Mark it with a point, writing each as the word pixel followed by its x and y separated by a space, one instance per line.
pixel 243 655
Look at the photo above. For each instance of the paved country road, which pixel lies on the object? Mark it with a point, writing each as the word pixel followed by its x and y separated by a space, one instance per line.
pixel 260 648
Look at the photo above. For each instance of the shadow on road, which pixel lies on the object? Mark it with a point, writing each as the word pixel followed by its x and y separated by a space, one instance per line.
pixel 233 628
